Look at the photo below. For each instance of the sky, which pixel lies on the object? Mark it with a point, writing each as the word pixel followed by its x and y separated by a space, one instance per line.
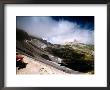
pixel 59 29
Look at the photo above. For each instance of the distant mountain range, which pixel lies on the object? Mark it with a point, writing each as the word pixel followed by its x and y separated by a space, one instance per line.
pixel 72 55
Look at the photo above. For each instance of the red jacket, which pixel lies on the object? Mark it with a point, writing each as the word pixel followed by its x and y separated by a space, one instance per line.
pixel 19 57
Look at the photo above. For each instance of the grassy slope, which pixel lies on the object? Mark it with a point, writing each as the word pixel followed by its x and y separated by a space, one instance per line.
pixel 74 58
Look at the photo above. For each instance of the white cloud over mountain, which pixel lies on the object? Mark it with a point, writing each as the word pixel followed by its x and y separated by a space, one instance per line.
pixel 55 31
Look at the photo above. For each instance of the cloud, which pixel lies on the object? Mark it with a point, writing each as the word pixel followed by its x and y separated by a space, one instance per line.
pixel 55 31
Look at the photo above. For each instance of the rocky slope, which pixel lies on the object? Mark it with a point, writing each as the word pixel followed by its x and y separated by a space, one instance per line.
pixel 36 67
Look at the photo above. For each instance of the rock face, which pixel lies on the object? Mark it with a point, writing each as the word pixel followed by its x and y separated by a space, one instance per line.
pixel 70 57
pixel 39 43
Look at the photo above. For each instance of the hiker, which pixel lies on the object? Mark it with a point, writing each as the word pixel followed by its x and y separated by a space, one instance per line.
pixel 19 57
pixel 19 61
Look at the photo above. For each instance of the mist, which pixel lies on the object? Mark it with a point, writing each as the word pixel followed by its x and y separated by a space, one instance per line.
pixel 56 32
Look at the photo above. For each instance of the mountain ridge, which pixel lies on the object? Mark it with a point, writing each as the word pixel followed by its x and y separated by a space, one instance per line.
pixel 42 49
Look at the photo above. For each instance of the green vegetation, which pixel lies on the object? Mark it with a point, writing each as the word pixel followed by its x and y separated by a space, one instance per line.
pixel 68 52
pixel 65 53
pixel 83 46
pixel 74 59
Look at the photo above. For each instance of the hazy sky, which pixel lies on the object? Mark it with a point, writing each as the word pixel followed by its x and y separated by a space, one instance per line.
pixel 59 29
